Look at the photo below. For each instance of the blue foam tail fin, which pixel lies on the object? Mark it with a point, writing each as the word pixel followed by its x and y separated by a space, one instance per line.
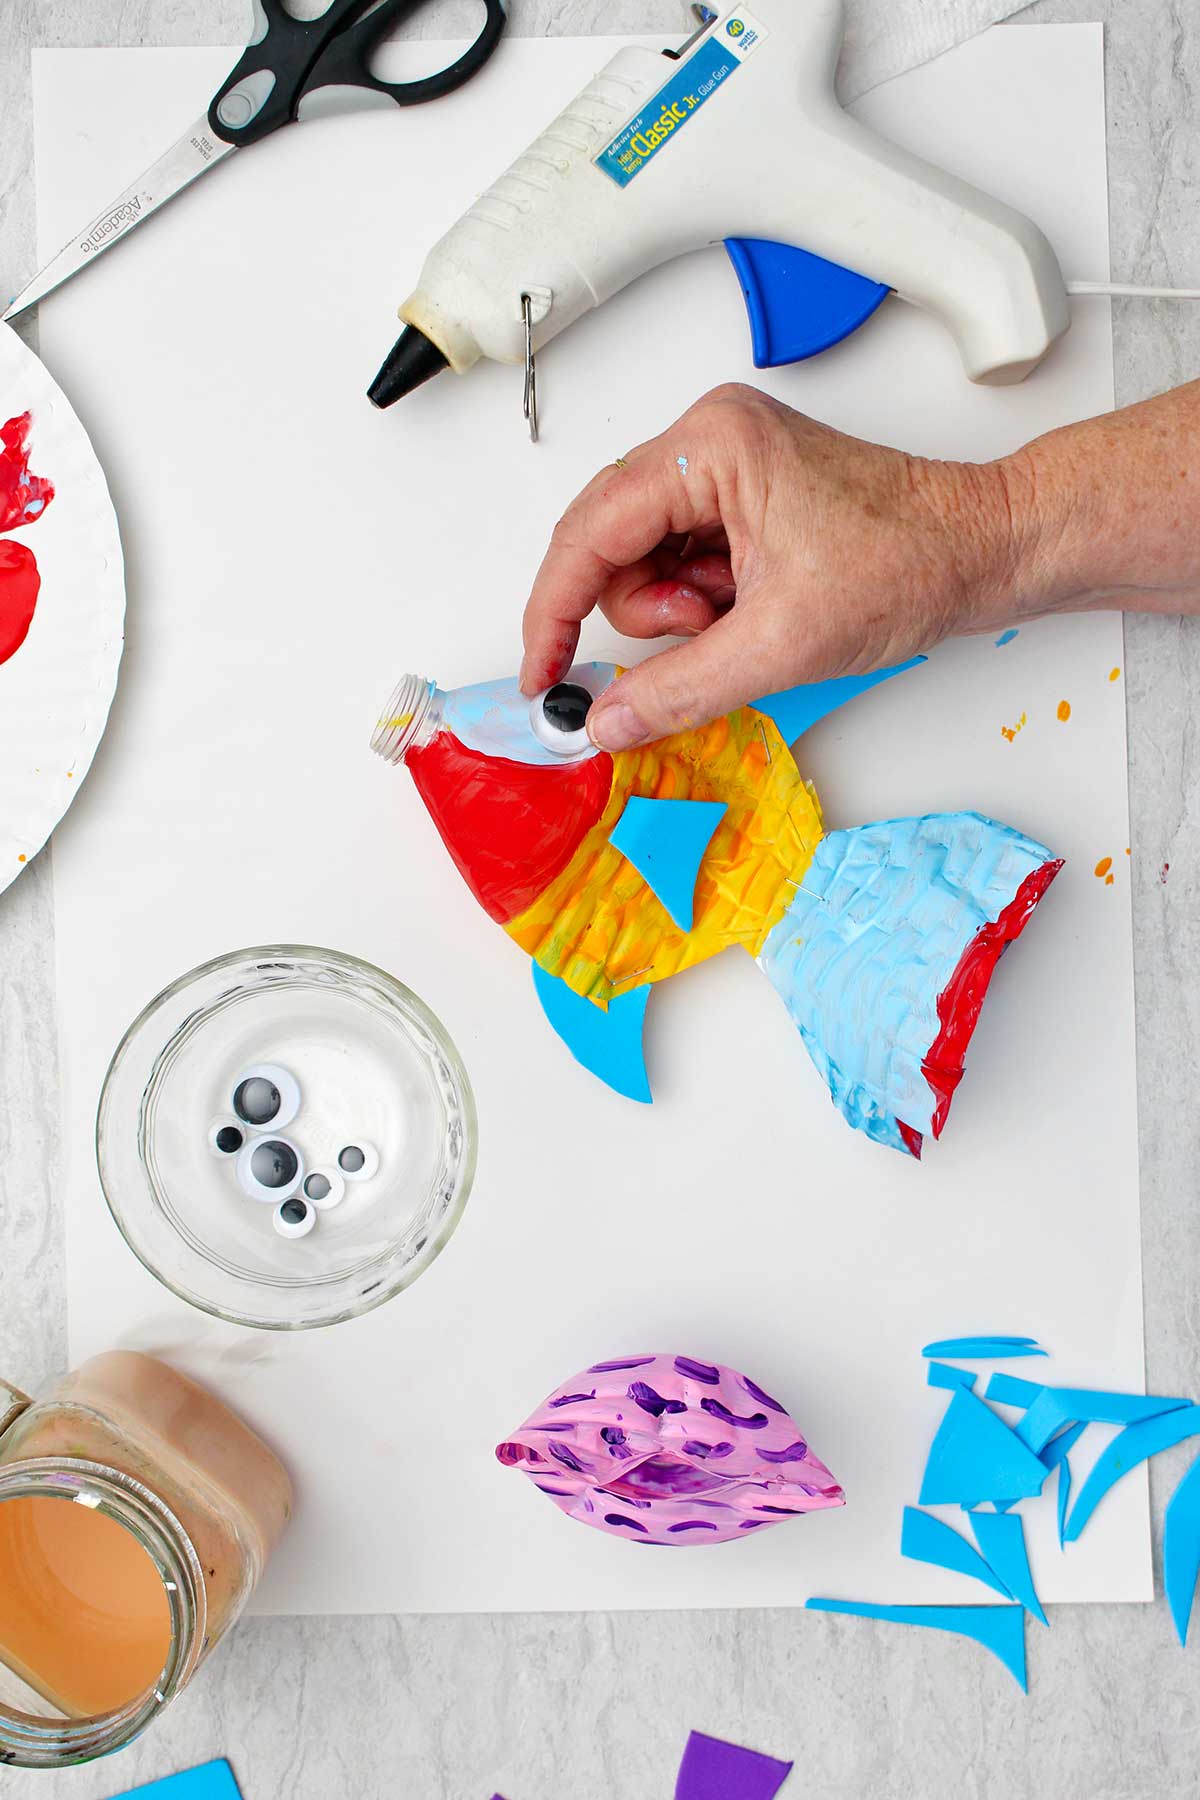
pixel 880 926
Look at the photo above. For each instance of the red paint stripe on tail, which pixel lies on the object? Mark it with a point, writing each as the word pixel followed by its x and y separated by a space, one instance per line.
pixel 961 999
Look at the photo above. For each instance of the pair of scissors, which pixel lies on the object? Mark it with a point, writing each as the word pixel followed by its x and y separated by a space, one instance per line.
pixel 292 69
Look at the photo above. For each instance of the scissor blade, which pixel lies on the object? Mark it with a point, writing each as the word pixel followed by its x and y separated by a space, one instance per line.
pixel 197 150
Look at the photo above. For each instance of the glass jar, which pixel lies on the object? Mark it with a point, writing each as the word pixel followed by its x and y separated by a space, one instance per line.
pixel 137 1514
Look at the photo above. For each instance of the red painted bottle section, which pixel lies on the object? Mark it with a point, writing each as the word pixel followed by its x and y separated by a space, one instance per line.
pixel 961 1000
pixel 510 827
pixel 23 499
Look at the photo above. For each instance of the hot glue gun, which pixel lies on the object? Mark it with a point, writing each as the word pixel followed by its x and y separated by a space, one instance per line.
pixel 737 136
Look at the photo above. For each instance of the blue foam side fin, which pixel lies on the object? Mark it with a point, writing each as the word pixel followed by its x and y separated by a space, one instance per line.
pixel 799 304
pixel 1055 1407
pixel 665 840
pixel 1055 1457
pixel 795 709
pixel 608 1043
pixel 1136 1444
pixel 1000 1629
pixel 714 1770
pixel 1181 1549
pixel 941 1375
pixel 1001 1537
pixel 985 1349
pixel 1012 1390
pixel 926 1539
pixel 975 1457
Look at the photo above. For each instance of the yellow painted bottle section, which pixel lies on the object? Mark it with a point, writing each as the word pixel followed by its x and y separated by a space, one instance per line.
pixel 599 926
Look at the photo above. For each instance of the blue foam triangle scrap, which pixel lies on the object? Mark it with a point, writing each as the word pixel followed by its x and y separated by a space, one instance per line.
pixel 942 1375
pixel 1136 1444
pixel 609 1044
pixel 1001 1537
pixel 1000 1629
pixel 1055 1457
pixel 975 1457
pixel 926 1539
pixel 1181 1549
pixel 665 840
pixel 211 1781
pixel 795 709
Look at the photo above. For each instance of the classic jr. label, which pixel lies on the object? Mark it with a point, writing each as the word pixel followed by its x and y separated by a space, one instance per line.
pixel 732 39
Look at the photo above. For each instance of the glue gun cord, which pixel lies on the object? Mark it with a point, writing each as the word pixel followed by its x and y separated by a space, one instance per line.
pixel 1120 290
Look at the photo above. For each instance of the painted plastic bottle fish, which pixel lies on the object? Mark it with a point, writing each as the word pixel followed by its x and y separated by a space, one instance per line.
pixel 614 872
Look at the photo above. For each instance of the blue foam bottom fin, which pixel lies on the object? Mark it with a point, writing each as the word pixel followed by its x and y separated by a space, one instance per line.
pixel 1000 1629
pixel 609 1044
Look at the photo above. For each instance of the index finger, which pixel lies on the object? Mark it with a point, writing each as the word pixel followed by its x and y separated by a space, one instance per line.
pixel 599 548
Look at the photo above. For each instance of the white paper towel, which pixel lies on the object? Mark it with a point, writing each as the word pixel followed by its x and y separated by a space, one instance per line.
pixel 885 37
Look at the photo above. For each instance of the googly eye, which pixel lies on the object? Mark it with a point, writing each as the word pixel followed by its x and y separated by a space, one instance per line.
pixel 225 1137
pixel 358 1161
pixel 557 718
pixel 269 1169
pixel 266 1097
pixel 325 1188
pixel 294 1218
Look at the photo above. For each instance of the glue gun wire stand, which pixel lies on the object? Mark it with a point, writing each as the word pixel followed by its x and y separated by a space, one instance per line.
pixel 735 137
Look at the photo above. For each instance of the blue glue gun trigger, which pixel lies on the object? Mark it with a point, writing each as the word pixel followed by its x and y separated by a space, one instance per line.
pixel 799 304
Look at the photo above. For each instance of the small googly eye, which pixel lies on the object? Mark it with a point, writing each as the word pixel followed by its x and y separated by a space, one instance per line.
pixel 269 1168
pixel 225 1137
pixel 557 718
pixel 358 1162
pixel 325 1188
pixel 294 1218
pixel 266 1097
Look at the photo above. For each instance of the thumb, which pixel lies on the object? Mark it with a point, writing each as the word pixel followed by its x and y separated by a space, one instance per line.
pixel 686 687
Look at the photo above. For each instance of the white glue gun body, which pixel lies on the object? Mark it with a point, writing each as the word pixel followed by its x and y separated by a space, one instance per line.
pixel 738 138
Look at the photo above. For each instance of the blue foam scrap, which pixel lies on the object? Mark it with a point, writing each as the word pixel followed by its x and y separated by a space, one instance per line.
pixel 926 1539
pixel 942 1375
pixel 1136 1444
pixel 665 840
pixel 1012 1390
pixel 211 1781
pixel 794 709
pixel 608 1043
pixel 1181 1549
pixel 985 1349
pixel 1000 1629
pixel 1055 1457
pixel 975 1457
pixel 1052 1408
pixel 1001 1537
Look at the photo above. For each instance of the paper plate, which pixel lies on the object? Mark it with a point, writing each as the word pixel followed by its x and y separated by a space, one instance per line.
pixel 57 684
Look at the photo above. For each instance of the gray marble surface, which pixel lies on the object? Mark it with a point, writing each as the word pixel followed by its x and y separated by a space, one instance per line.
pixel 597 1707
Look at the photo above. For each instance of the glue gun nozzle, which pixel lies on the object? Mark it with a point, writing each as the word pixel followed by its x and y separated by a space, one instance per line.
pixel 414 358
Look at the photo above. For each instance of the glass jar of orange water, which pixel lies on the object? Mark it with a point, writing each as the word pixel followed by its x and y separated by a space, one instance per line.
pixel 137 1514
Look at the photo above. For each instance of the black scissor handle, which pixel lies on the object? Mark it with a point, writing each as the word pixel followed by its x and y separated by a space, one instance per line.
pixel 346 59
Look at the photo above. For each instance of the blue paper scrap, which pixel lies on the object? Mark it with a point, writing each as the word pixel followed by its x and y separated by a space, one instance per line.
pixel 211 1781
pixel 1000 1629
pixel 1136 1444
pixel 665 840
pixel 1181 1549
pixel 926 1539
pixel 985 1349
pixel 976 1457
pixel 1001 1537
pixel 942 1375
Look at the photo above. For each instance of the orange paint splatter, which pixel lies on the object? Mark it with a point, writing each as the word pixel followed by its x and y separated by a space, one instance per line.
pixel 1010 731
pixel 1104 865
pixel 1064 710
pixel 1108 881
pixel 1114 674
pixel 21 858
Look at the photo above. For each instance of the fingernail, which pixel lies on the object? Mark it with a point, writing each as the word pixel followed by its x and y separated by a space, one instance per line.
pixel 615 727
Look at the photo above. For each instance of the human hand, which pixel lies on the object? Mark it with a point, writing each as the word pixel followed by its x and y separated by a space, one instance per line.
pixel 787 551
